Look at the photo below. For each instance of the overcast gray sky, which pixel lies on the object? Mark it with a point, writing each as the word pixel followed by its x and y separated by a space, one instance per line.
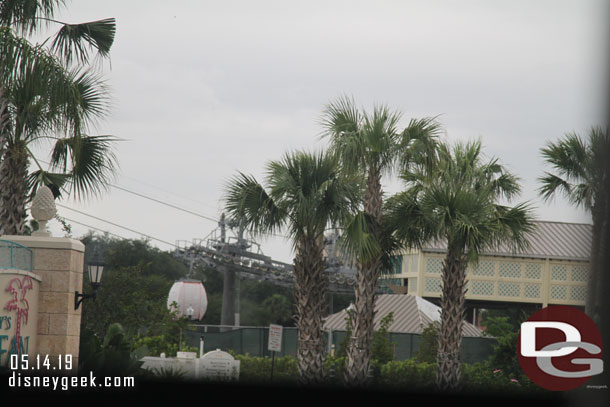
pixel 202 89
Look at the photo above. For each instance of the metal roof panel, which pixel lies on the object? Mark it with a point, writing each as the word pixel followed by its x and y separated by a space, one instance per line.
pixel 553 240
pixel 411 315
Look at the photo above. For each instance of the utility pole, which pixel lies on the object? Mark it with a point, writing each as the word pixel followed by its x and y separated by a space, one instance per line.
pixel 227 316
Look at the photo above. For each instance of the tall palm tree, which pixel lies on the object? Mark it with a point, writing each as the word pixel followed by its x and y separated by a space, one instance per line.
pixel 371 145
pixel 41 98
pixel 579 175
pixel 457 203
pixel 304 194
pixel 72 43
pixel 45 100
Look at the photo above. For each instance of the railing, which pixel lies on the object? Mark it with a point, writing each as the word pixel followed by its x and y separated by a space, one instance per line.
pixel 15 256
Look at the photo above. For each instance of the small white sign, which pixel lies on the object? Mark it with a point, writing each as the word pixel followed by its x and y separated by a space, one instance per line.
pixel 275 338
pixel 219 365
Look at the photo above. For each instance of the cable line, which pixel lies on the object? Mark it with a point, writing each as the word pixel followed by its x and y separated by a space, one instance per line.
pixel 93 227
pixel 156 200
pixel 164 203
pixel 168 192
pixel 115 224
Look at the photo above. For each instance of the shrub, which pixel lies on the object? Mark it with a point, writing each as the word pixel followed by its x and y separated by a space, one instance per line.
pixel 407 375
pixel 335 368
pixel 382 349
pixel 155 345
pixel 428 345
pixel 110 356
pixel 258 369
pixel 489 378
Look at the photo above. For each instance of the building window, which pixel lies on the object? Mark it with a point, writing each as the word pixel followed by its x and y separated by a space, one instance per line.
pixel 434 265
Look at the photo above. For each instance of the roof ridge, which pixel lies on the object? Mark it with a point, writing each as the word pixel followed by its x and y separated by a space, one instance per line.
pixel 419 312
pixel 565 223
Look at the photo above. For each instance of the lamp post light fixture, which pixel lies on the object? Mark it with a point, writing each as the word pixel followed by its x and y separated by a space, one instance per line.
pixel 95 268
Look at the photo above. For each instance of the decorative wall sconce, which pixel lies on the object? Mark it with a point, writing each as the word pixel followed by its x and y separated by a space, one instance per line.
pixel 95 268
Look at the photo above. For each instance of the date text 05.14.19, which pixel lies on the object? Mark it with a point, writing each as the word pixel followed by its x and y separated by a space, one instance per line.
pixel 41 362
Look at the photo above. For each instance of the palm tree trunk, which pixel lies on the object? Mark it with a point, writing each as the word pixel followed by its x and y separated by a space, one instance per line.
pixel 13 190
pixel 4 122
pixel 310 297
pixel 596 266
pixel 4 126
pixel 359 349
pixel 448 364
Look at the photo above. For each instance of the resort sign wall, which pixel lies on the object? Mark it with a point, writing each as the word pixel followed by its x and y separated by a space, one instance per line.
pixel 19 293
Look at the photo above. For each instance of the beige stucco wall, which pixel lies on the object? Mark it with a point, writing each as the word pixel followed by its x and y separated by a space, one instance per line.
pixel 58 263
pixel 505 279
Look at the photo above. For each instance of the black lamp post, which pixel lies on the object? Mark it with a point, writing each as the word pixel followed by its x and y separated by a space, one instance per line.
pixel 95 268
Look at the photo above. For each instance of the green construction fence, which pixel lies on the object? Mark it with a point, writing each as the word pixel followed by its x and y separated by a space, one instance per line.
pixel 253 341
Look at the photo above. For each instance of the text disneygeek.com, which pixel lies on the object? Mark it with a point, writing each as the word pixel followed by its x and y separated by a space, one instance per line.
pixel 64 383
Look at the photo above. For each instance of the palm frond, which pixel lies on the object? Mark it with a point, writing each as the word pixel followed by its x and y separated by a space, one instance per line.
pixel 89 160
pixel 514 226
pixel 304 193
pixel 405 219
pixel 579 167
pixel 55 181
pixel 46 97
pixel 248 202
pixel 418 144
pixel 506 185
pixel 25 16
pixel 456 202
pixel 358 239
pixel 73 42
pixel 340 117
pixel 552 183
pixel 568 156
pixel 89 102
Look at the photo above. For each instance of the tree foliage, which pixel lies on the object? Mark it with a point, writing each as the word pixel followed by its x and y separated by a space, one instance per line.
pixel 50 93
pixel 369 145
pixel 581 174
pixel 304 194
pixel 458 203
pixel 135 284
pixel 428 345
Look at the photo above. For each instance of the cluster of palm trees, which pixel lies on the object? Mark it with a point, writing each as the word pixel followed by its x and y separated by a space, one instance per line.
pixel 50 92
pixel 452 194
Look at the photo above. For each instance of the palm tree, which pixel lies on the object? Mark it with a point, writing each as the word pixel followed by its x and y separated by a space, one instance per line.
pixel 71 43
pixel 370 145
pixel 44 100
pixel 579 176
pixel 304 194
pixel 41 98
pixel 457 203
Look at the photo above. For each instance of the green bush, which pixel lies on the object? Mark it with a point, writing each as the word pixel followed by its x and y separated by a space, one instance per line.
pixel 479 377
pixel 428 345
pixel 382 349
pixel 155 345
pixel 111 356
pixel 488 378
pixel 335 368
pixel 258 369
pixel 407 375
